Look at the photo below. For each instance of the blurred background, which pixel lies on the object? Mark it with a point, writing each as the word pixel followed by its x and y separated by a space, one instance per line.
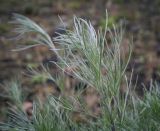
pixel 141 18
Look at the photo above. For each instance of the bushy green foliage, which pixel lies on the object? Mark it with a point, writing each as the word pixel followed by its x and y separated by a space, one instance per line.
pixel 89 52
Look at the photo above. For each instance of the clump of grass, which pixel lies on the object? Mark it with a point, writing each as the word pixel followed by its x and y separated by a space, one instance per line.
pixel 88 54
